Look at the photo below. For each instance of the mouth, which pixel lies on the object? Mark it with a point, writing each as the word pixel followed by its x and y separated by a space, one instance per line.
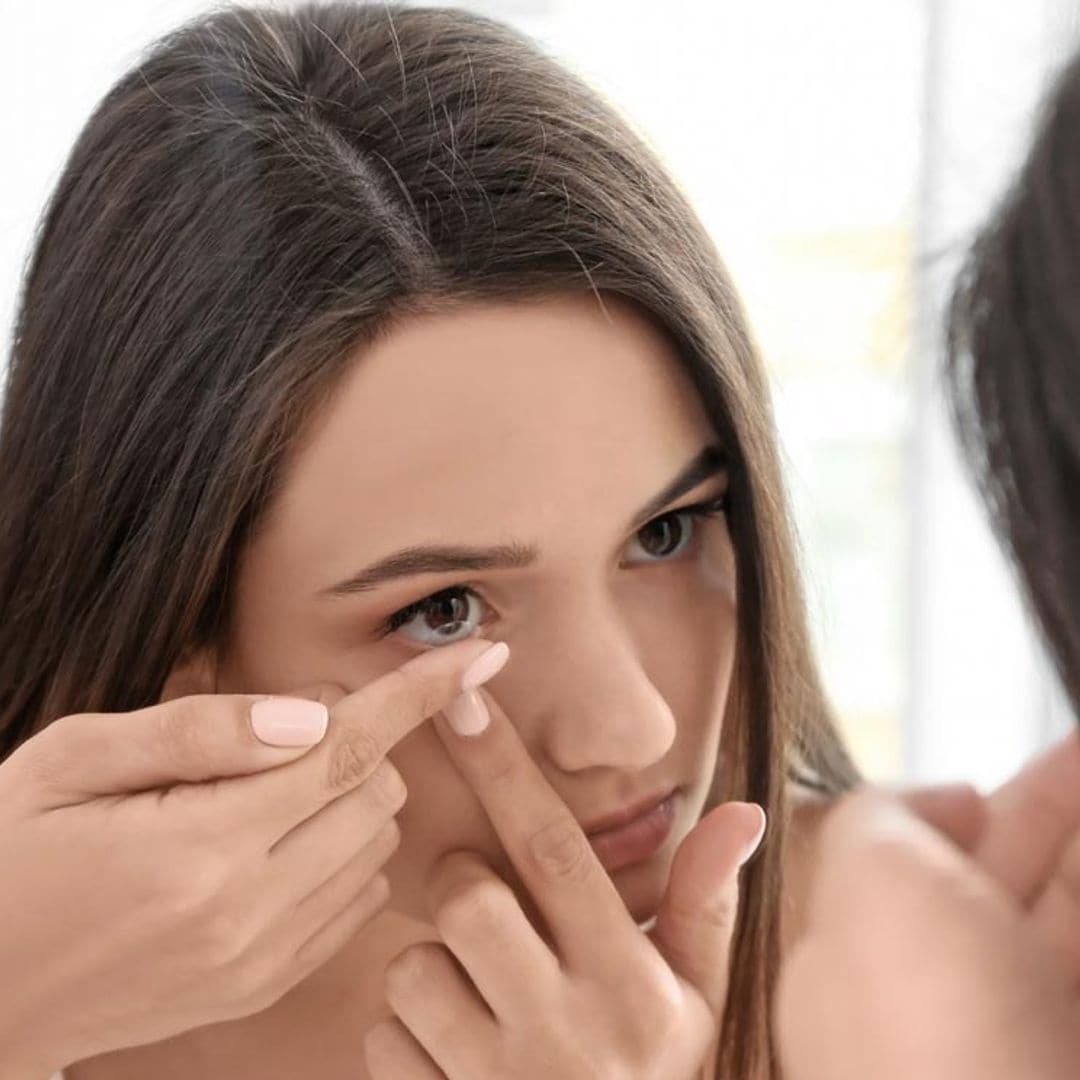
pixel 633 834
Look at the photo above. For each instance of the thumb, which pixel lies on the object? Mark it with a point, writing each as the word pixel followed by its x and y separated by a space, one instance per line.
pixel 697 915
pixel 185 740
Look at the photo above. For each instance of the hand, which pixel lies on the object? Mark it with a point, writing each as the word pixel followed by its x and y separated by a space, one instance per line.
pixel 1031 845
pixel 162 872
pixel 593 995
pixel 922 961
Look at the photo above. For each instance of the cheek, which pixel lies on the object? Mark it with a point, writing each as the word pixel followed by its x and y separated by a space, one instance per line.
pixel 685 630
pixel 697 662
pixel 708 614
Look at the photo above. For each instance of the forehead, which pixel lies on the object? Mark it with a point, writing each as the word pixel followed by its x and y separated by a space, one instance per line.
pixel 507 416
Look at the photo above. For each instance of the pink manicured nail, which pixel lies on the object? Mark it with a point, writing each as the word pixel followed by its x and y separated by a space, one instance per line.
pixel 287 721
pixel 486 666
pixel 755 843
pixel 467 714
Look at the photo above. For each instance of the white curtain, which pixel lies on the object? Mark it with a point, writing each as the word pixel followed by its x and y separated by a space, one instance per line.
pixel 982 692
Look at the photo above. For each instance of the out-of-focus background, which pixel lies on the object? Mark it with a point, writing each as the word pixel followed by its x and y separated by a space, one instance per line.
pixel 840 153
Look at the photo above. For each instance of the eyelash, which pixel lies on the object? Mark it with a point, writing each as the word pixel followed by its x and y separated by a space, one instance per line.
pixel 702 511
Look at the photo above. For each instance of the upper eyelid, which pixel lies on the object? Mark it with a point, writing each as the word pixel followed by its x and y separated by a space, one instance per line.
pixel 697 504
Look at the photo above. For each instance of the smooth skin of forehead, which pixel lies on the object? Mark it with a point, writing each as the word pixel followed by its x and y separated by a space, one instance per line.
pixel 539 421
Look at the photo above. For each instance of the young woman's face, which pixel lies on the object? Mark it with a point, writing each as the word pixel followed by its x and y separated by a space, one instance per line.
pixel 555 428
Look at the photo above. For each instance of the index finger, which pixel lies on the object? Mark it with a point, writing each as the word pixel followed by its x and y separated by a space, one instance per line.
pixel 363 728
pixel 543 840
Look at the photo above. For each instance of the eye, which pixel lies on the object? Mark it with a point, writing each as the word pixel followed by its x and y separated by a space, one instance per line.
pixel 668 536
pixel 440 619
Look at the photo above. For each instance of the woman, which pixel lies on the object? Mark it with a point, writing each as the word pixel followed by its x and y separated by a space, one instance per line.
pixel 357 330
pixel 930 959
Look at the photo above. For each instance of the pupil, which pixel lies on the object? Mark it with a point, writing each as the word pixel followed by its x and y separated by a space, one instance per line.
pixel 446 611
pixel 661 537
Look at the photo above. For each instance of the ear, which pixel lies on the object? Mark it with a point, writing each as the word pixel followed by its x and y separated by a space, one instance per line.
pixel 194 673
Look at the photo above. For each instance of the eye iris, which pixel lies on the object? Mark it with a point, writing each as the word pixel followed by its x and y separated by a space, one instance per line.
pixel 446 612
pixel 661 537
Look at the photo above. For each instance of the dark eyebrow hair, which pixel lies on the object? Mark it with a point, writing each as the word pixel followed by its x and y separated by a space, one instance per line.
pixel 449 558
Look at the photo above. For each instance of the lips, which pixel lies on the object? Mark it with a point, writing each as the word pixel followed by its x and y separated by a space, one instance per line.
pixel 641 830
pixel 628 813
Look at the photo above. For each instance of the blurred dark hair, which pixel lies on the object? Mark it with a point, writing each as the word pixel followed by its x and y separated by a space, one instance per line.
pixel 264 191
pixel 1013 373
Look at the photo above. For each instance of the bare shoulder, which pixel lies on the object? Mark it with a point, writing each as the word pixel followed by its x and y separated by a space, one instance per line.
pixel 809 809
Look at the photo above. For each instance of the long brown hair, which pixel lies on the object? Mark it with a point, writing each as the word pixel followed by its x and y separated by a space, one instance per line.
pixel 262 192
pixel 1013 369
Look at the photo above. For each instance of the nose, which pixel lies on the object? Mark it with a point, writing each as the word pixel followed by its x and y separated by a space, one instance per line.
pixel 599 706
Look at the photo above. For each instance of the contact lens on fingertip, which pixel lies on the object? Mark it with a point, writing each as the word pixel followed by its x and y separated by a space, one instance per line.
pixel 467 714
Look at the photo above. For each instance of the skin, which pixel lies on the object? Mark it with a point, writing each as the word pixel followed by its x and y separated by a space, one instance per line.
pixel 547 423
pixel 948 955
pixel 239 866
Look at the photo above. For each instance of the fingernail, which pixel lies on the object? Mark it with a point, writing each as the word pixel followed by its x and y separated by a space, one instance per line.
pixel 486 666
pixel 467 714
pixel 755 843
pixel 288 721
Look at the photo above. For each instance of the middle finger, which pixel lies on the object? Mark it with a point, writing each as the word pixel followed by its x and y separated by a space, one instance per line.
pixel 543 840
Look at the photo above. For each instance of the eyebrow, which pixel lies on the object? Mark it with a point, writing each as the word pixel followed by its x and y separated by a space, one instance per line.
pixel 450 558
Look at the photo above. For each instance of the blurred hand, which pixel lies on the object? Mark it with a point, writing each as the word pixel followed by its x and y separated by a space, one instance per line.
pixel 940 959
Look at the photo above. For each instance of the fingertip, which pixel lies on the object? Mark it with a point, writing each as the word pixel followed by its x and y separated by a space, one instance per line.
pixel 721 843
pixel 467 714
pixel 740 826
pixel 756 822
pixel 289 721
pixel 486 666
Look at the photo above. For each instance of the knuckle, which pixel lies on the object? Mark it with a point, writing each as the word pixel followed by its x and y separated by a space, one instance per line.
pixel 647 1013
pixel 643 1040
pixel 221 939
pixel 255 983
pixel 182 729
pixel 190 885
pixel 412 692
pixel 718 915
pixel 662 1002
pixel 44 755
pixel 387 788
pixel 468 904
pixel 352 760
pixel 415 966
pixel 328 693
pixel 503 770
pixel 383 1043
pixel 389 837
pixel 560 852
